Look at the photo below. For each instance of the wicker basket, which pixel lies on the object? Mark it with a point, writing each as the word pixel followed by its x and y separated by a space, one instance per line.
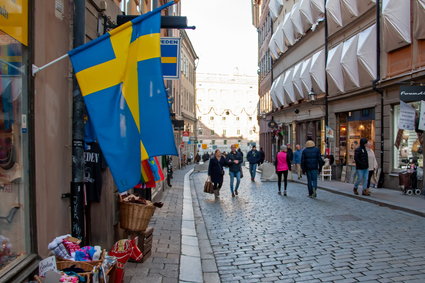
pixel 92 263
pixel 88 268
pixel 134 216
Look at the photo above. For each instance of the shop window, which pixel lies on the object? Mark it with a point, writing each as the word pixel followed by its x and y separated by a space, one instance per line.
pixel 14 191
pixel 407 147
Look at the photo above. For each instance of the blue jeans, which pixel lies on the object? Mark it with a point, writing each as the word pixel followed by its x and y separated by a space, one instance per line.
pixel 362 175
pixel 252 170
pixel 311 181
pixel 238 179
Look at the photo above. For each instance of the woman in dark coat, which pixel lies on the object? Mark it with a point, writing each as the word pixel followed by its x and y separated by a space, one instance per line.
pixel 216 171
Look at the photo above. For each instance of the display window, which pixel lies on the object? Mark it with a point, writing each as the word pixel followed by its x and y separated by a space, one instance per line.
pixel 407 147
pixel 14 196
pixel 353 126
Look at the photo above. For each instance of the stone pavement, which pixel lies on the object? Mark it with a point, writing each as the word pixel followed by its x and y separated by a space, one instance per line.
pixel 261 236
pixel 163 265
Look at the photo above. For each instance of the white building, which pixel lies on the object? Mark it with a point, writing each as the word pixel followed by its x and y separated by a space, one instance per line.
pixel 227 111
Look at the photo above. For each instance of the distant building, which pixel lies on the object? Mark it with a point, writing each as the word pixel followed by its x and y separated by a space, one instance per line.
pixel 227 111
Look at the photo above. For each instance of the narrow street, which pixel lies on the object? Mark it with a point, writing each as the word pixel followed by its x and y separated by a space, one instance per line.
pixel 262 236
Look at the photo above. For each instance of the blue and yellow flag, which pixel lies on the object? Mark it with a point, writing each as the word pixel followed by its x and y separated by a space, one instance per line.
pixel 120 78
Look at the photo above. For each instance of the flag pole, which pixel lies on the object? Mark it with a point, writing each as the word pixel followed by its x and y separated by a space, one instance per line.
pixel 36 69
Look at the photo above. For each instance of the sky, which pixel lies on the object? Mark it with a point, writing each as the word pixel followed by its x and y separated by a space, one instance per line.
pixel 224 38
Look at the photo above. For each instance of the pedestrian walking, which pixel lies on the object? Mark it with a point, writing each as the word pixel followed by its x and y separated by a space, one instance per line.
pixel 362 167
pixel 253 158
pixel 216 171
pixel 262 156
pixel 283 166
pixel 205 156
pixel 297 160
pixel 373 163
pixel 311 164
pixel 291 157
pixel 197 157
pixel 234 161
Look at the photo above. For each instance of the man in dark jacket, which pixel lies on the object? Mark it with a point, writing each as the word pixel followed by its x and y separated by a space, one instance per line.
pixel 234 161
pixel 362 167
pixel 311 163
pixel 253 158
pixel 262 156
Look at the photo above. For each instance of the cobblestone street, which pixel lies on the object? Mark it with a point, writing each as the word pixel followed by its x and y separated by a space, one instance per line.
pixel 262 236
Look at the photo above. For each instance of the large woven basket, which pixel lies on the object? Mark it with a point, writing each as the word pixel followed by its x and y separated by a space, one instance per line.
pixel 134 216
pixel 92 263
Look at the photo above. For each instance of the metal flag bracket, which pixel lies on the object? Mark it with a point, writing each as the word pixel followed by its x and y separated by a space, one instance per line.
pixel 36 69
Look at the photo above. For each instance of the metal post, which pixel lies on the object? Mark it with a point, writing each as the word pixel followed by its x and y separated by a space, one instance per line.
pixel 77 184
pixel 326 81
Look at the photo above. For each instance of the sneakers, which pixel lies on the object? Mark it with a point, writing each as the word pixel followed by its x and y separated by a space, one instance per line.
pixel 236 192
pixel 355 191
pixel 233 195
pixel 284 193
pixel 366 192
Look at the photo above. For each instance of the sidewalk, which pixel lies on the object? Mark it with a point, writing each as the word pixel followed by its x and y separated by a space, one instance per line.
pixel 385 197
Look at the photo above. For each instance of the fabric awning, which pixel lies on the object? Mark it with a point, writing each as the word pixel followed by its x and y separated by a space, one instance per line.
pixel 280 40
pixel 333 66
pixel 273 48
pixel 273 93
pixel 366 51
pixel 288 30
pixel 333 9
pixel 351 6
pixel 296 81
pixel 288 87
pixel 349 60
pixel 396 24
pixel 305 75
pixel 297 22
pixel 318 9
pixel 317 71
pixel 306 14
pixel 280 95
pixel 419 16
pixel 275 7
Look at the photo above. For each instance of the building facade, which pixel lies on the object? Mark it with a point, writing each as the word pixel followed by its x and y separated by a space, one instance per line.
pixel 36 129
pixel 227 111
pixel 351 57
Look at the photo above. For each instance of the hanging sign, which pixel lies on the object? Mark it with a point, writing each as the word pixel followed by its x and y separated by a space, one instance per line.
pixel 412 93
pixel 170 57
pixel 406 121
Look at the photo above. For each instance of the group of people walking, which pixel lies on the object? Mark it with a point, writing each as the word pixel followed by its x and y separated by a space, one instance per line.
pixel 307 161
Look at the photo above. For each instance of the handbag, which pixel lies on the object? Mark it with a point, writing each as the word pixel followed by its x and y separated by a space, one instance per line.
pixel 208 186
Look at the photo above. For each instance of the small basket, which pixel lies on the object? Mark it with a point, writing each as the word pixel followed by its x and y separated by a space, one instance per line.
pixel 134 216
pixel 88 268
pixel 92 263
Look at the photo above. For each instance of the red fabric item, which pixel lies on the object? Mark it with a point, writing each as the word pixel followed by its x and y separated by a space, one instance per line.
pixel 70 246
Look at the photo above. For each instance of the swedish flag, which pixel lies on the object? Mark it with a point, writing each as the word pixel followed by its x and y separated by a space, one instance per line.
pixel 120 78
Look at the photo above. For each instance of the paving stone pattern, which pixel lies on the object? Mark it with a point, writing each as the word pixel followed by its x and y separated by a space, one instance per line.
pixel 163 264
pixel 260 236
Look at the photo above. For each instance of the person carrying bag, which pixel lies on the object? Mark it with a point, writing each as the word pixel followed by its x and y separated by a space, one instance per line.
pixel 215 173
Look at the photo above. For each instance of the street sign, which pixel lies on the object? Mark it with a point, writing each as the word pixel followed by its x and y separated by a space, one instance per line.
pixel 204 146
pixel 170 57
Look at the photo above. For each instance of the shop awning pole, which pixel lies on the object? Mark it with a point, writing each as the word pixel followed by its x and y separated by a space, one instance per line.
pixel 36 69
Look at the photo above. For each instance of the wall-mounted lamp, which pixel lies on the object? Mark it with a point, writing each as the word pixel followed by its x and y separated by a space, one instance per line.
pixel 312 96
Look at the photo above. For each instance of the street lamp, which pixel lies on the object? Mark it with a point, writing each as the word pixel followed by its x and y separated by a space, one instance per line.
pixel 272 124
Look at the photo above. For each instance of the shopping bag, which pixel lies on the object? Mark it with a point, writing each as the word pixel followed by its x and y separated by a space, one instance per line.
pixel 208 187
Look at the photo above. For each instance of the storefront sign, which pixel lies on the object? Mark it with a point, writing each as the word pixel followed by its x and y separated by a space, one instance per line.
pixel 48 264
pixel 406 120
pixel 421 125
pixel 14 19
pixel 170 57
pixel 412 93
pixel 204 146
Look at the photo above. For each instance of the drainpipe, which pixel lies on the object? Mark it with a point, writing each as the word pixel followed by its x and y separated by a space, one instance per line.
pixel 326 79
pixel 77 184
pixel 378 78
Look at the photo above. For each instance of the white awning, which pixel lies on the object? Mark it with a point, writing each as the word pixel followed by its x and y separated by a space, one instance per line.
pixel 273 94
pixel 288 87
pixel 419 16
pixel 318 9
pixel 280 95
pixel 288 30
pixel 365 5
pixel 296 81
pixel 333 9
pixel 333 66
pixel 305 75
pixel 349 60
pixel 396 24
pixel 366 50
pixel 275 7
pixel 297 22
pixel 272 47
pixel 317 71
pixel 351 6
pixel 306 13
pixel 280 40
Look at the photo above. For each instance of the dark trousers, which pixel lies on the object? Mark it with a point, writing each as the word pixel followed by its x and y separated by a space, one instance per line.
pixel 369 177
pixel 311 181
pixel 285 179
pixel 217 186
